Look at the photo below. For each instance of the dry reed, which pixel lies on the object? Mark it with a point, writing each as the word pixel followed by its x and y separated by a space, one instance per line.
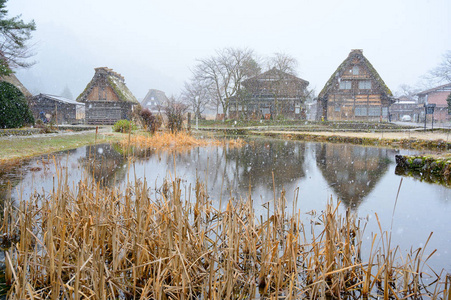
pixel 174 141
pixel 105 243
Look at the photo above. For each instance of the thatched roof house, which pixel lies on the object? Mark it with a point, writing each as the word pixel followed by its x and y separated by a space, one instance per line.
pixel 355 91
pixel 272 93
pixel 107 98
pixel 154 99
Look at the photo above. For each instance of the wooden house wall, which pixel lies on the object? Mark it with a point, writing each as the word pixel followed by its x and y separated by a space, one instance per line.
pixel 107 112
pixel 66 113
pixel 343 107
pixel 102 92
pixel 254 108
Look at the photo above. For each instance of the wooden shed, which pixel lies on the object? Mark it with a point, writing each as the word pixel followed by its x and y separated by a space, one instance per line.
pixel 107 99
pixel 355 92
pixel 57 109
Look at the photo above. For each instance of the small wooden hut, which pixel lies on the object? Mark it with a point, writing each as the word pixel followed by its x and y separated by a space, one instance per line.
pixel 57 109
pixel 355 92
pixel 107 99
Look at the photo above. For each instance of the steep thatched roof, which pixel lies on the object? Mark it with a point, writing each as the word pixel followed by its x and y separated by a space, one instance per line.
pixel 14 81
pixel 115 80
pixel 155 96
pixel 355 54
pixel 274 75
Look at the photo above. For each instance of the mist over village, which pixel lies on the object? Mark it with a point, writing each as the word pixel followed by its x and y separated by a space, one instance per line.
pixel 225 150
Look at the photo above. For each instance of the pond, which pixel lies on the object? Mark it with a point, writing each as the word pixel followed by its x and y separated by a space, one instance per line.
pixel 361 178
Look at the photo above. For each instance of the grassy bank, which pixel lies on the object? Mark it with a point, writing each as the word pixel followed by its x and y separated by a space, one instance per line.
pixel 18 147
pixel 301 125
pixel 370 139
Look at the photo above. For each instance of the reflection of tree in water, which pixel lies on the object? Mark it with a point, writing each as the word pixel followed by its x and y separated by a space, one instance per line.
pixel 105 164
pixel 352 171
pixel 234 169
pixel 257 161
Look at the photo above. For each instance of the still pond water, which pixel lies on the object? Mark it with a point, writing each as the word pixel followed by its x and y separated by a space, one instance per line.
pixel 362 178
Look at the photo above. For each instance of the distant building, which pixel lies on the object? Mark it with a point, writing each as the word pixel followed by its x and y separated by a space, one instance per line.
pixel 270 94
pixel 57 109
pixel 356 92
pixel 403 106
pixel 438 97
pixel 154 100
pixel 107 98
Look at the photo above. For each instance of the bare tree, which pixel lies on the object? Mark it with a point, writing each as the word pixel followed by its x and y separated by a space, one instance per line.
pixel 196 96
pixel 222 74
pixel 407 90
pixel 175 112
pixel 441 73
pixel 283 62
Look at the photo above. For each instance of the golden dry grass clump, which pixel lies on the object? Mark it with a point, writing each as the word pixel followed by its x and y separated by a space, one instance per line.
pixel 102 243
pixel 175 141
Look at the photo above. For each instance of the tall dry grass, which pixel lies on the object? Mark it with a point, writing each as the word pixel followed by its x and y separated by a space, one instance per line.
pixel 105 243
pixel 174 141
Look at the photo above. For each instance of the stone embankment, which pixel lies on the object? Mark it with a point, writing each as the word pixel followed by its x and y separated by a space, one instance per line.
pixel 425 168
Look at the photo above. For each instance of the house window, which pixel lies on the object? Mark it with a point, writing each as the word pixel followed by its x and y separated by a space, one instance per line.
pixel 385 112
pixel 355 70
pixel 365 85
pixel 374 111
pixel 360 111
pixel 337 107
pixel 345 85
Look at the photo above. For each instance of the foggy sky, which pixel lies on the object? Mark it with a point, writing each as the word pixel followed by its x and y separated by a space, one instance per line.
pixel 153 44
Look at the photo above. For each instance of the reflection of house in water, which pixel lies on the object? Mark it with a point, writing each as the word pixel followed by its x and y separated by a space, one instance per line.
pixel 257 161
pixel 105 164
pixel 352 171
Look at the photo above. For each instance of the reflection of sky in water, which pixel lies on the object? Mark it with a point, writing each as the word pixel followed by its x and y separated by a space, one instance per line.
pixel 319 171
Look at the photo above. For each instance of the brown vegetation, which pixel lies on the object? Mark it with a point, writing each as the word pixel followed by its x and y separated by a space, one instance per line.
pixel 174 141
pixel 102 243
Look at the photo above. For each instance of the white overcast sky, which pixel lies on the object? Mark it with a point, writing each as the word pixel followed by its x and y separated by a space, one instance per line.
pixel 155 43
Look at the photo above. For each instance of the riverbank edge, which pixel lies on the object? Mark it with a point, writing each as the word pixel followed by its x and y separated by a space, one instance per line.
pixel 431 168
pixel 106 135
pixel 426 167
pixel 412 143
pixel 18 148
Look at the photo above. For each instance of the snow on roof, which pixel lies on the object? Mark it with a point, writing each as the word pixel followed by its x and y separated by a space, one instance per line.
pixel 62 99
